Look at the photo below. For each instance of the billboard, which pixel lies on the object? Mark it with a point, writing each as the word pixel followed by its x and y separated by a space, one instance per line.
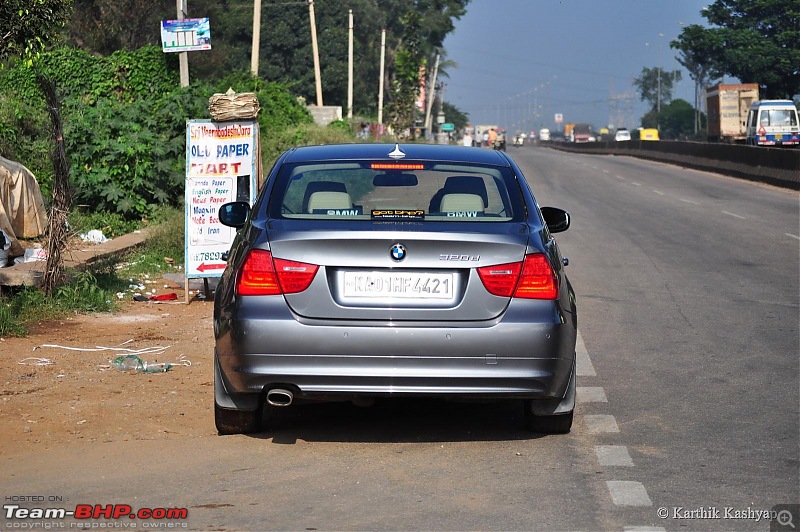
pixel 220 167
pixel 187 35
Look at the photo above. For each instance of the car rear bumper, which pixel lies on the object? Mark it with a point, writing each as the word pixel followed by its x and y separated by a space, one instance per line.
pixel 512 357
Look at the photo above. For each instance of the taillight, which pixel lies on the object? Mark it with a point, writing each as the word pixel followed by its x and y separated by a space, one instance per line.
pixel 531 279
pixel 294 276
pixel 261 275
pixel 500 280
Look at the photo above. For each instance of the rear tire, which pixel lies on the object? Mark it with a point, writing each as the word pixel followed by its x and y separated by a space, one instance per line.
pixel 237 421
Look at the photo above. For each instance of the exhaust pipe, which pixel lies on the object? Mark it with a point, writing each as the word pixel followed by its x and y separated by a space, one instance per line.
pixel 279 397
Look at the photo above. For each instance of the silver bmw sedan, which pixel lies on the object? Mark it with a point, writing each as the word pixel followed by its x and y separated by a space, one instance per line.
pixel 375 270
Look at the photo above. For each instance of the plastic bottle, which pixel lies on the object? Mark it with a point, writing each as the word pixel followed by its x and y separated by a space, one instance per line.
pixel 155 367
pixel 128 362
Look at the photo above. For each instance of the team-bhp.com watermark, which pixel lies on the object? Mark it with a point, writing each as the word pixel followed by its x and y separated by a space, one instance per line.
pixel 93 516
pixel 780 517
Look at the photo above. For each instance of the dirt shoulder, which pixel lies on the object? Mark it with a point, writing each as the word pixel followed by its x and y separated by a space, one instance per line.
pixel 75 396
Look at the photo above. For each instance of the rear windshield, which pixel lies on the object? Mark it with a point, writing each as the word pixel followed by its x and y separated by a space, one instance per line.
pixel 377 191
pixel 779 117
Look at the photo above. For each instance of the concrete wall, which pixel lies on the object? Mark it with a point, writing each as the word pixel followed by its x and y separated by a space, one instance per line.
pixel 775 166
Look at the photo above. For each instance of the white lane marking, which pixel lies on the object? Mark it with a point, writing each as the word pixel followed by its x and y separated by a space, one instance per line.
pixel 636 184
pixel 599 423
pixel 644 528
pixel 583 365
pixel 734 215
pixel 606 172
pixel 620 177
pixel 591 394
pixel 791 235
pixel 628 493
pixel 658 192
pixel 689 201
pixel 613 455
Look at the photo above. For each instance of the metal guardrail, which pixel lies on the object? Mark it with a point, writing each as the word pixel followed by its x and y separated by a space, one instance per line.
pixel 775 166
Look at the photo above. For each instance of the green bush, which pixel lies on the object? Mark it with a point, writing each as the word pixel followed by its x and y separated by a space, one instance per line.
pixel 124 122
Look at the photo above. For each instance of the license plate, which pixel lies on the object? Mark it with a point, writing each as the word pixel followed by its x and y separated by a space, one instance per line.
pixel 778 137
pixel 403 284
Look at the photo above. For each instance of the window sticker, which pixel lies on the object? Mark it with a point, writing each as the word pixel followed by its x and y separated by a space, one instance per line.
pixel 415 214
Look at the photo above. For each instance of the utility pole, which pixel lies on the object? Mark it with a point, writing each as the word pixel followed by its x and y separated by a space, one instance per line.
pixel 380 89
pixel 256 37
pixel 317 76
pixel 350 67
pixel 183 57
pixel 430 92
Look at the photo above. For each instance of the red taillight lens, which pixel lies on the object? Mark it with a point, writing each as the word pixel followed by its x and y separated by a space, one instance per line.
pixel 500 280
pixel 538 281
pixel 260 276
pixel 294 276
pixel 531 279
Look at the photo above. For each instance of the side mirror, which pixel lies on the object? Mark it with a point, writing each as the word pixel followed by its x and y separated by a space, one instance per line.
pixel 234 214
pixel 557 220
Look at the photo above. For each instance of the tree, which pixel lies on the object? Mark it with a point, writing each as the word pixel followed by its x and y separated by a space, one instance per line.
pixel 655 86
pixel 27 26
pixel 756 41
pixel 675 121
pixel 105 26
pixel 455 116
pixel 285 50
pixel 695 60
pixel 409 62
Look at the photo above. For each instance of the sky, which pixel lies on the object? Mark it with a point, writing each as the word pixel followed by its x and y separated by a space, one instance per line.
pixel 519 62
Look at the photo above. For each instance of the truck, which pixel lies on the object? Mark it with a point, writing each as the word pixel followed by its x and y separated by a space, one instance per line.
pixel 582 133
pixel 727 106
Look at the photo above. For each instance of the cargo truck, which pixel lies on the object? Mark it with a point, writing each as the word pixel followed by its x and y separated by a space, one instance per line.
pixel 728 105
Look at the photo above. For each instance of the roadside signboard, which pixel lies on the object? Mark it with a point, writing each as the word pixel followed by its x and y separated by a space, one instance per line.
pixel 448 127
pixel 187 35
pixel 220 167
pixel 559 118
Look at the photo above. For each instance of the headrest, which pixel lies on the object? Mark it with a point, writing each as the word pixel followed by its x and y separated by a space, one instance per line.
pixel 321 186
pixel 467 184
pixel 329 200
pixel 462 203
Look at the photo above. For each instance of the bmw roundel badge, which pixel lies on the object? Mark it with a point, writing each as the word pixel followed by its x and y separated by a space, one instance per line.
pixel 398 252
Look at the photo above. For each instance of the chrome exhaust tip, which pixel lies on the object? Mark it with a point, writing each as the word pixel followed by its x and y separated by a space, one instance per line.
pixel 279 397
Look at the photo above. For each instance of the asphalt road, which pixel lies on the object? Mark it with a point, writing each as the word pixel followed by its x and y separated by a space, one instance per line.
pixel 687 287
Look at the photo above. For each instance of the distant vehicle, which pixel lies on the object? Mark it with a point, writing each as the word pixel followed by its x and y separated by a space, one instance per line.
pixel 582 133
pixel 544 134
pixel 645 133
pixel 728 105
pixel 481 131
pixel 622 135
pixel 367 271
pixel 773 123
pixel 500 141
